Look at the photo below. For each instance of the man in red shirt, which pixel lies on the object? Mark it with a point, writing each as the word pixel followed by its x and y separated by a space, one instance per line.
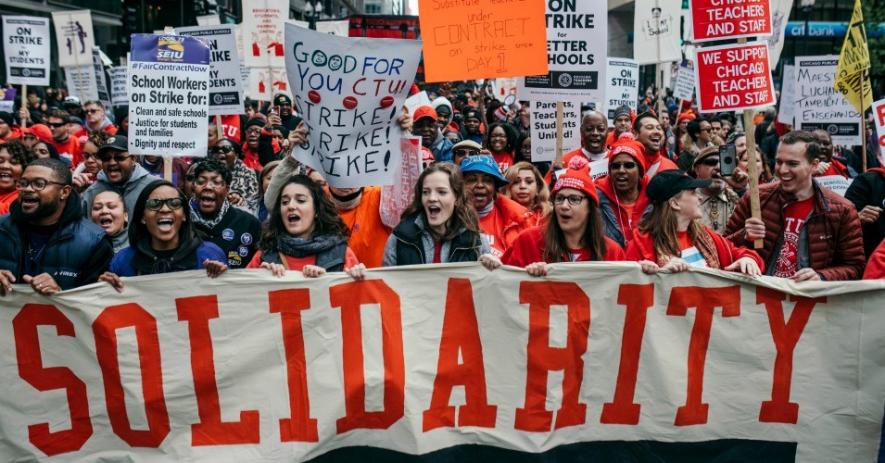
pixel 650 133
pixel 66 145
pixel 97 119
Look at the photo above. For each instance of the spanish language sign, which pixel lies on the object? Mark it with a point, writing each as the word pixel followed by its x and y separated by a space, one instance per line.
pixel 656 31
pixel 479 39
pixel 26 46
pixel 469 364
pixel 819 105
pixel 543 120
pixel 225 85
pixel 168 95
pixel 349 92
pixel 73 34
pixel 577 47
pixel 730 19
pixel 263 32
pixel 119 96
pixel 735 77
pixel 622 88
pixel 684 87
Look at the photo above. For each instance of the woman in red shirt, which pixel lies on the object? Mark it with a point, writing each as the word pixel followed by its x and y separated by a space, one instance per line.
pixel 501 142
pixel 573 233
pixel 526 186
pixel 305 233
pixel 672 238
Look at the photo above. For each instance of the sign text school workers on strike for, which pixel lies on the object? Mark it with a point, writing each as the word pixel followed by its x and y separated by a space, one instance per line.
pixel 26 46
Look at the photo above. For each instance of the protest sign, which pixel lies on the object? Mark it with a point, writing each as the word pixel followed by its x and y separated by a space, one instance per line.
pixel 819 105
pixel 836 183
pixel 101 82
pixel 684 87
pixel 26 46
pixel 119 96
pixel 168 95
pixel 208 20
pixel 73 34
pixel 656 31
pixel 81 82
pixel 718 20
pixel 786 110
pixel 7 99
pixel 264 83
pixel 453 359
pixel 482 39
pixel 396 198
pixel 225 86
pixel 735 77
pixel 416 101
pixel 337 27
pixel 263 32
pixel 623 86
pixel 780 13
pixel 879 116
pixel 505 89
pixel 349 92
pixel 543 120
pixel 577 46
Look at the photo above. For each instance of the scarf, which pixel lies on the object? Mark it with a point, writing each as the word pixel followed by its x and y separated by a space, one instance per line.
pixel 705 245
pixel 208 224
pixel 300 247
pixel 147 262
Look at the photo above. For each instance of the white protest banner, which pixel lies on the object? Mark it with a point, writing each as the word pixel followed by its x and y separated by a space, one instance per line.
pixel 733 77
pixel 879 116
pixel 168 95
pixel 263 32
pixel 684 88
pixel 208 20
pixel 577 47
pixel 819 105
pixel 622 86
pixel 81 82
pixel 543 122
pixel 26 46
pixel 225 85
pixel 101 82
pixel 837 183
pixel 656 31
pixel 119 96
pixel 718 20
pixel 73 34
pixel 340 28
pixel 601 361
pixel 786 110
pixel 349 92
pixel 780 13
pixel 416 101
pixel 505 89
pixel 264 83
pixel 396 198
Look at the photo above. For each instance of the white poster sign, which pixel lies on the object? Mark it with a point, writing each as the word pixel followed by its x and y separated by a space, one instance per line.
pixel 26 46
pixel 350 91
pixel 543 123
pixel 208 20
pixel 81 82
pixel 780 13
pixel 264 83
pixel 819 105
pixel 119 96
pixel 101 82
pixel 225 84
pixel 263 32
pixel 577 47
pixel 656 31
pixel 73 34
pixel 786 110
pixel 684 81
pixel 836 183
pixel 622 86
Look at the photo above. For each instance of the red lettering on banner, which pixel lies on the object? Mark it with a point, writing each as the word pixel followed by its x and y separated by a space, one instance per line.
pixel 289 303
pixel 637 299
pixel 785 335
pixel 705 300
pixel 460 333
pixel 197 311
pixel 349 297
pixel 542 358
pixel 30 368
pixel 105 329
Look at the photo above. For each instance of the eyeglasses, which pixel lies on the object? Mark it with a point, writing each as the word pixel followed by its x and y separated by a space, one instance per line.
pixel 466 152
pixel 37 184
pixel 711 162
pixel 625 165
pixel 56 125
pixel 573 200
pixel 119 157
pixel 154 204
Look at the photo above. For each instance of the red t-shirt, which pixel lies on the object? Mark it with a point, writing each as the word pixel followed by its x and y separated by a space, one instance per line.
pixel 795 216
pixel 504 160
pixel 437 252
pixel 70 149
pixel 298 263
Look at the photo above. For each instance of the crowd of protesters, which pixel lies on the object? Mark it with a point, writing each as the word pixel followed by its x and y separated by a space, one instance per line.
pixel 76 207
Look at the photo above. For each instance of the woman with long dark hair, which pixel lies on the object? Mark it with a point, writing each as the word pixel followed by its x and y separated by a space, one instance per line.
pixel 573 233
pixel 501 142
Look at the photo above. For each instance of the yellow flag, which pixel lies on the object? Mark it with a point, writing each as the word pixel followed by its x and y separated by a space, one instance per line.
pixel 854 62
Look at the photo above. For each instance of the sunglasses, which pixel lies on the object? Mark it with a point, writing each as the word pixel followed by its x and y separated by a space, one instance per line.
pixel 463 152
pixel 155 204
pixel 56 124
pixel 222 149
pixel 626 165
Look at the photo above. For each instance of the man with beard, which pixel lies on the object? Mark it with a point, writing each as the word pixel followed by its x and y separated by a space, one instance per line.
pixel 593 148
pixel 650 134
pixel 284 108
pixel 427 127
pixel 97 119
pixel 235 231
pixel 45 241
pixel 717 200
pixel 119 172
pixel 829 164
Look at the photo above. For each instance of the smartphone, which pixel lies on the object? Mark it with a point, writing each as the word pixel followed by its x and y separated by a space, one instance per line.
pixel 727 159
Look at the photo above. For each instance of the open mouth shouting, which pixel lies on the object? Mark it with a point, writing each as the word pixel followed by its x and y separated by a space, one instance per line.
pixel 114 173
pixel 208 202
pixel 434 213
pixel 29 202
pixel 166 225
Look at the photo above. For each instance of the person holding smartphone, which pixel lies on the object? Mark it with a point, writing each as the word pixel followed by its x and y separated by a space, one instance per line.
pixel 718 200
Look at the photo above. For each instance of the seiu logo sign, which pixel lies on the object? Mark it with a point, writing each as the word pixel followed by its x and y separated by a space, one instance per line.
pixel 170 55
pixel 170 49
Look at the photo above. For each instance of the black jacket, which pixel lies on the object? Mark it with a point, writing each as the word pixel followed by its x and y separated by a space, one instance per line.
pixel 411 249
pixel 237 235
pixel 868 189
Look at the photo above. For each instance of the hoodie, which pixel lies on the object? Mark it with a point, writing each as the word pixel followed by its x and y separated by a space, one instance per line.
pixel 130 190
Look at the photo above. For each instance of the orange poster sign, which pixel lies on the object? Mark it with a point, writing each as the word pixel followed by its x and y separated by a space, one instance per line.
pixel 480 39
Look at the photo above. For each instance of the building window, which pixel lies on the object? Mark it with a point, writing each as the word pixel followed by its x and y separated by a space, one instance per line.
pixel 373 8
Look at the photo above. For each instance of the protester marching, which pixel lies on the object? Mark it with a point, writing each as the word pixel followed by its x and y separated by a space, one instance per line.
pixel 264 242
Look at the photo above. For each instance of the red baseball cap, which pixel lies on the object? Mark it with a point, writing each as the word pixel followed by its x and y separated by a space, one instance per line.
pixel 579 180
pixel 424 111
pixel 42 132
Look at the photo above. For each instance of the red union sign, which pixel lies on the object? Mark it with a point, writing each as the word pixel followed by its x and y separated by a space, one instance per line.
pixel 729 19
pixel 733 77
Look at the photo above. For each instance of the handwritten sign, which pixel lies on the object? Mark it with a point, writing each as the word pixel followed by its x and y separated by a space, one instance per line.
pixel 263 32
pixel 819 105
pixel 734 77
pixel 718 19
pixel 656 24
pixel 396 198
pixel 349 91
pixel 479 39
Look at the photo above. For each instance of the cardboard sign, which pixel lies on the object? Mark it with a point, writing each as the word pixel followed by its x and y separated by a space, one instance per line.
pixel 81 82
pixel 684 86
pixel 73 34
pixel 622 86
pixel 169 95
pixel 26 46
pixel 225 85
pixel 396 198
pixel 264 83
pixel 482 39
pixel 656 31
pixel 733 77
pixel 349 92
pixel 836 183
pixel 819 105
pixel 263 32
pixel 786 110
pixel 119 95
pixel 577 47
pixel 543 123
pixel 718 19
pixel 879 116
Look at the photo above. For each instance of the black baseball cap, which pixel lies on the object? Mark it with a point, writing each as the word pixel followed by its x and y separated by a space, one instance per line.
pixel 669 183
pixel 116 143
pixel 281 99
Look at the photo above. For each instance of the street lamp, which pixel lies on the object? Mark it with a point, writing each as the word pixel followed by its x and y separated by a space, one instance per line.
pixel 312 11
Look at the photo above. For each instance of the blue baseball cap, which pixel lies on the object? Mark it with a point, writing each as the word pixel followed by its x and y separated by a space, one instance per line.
pixel 483 164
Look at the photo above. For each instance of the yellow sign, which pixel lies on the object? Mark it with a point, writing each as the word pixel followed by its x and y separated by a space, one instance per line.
pixel 854 62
